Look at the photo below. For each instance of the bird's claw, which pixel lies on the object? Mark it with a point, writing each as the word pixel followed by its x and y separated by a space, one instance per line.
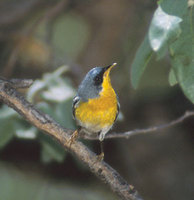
pixel 74 136
pixel 100 157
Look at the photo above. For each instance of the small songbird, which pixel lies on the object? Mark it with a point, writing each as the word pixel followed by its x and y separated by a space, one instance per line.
pixel 96 105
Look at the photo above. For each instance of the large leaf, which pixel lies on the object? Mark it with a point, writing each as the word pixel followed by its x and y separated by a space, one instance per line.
pixel 182 57
pixel 182 49
pixel 164 28
pixel 174 7
pixel 52 87
pixel 140 62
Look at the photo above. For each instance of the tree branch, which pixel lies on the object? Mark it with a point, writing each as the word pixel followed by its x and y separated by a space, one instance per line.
pixel 128 134
pixel 18 83
pixel 102 170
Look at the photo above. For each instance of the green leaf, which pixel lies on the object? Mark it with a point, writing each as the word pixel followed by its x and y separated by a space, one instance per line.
pixel 63 114
pixel 140 62
pixel 164 29
pixel 182 56
pixel 171 8
pixel 70 35
pixel 25 133
pixel 7 124
pixel 7 113
pixel 6 131
pixel 36 87
pixel 22 183
pixel 52 87
pixel 172 78
pixel 174 7
pixel 45 107
pixel 51 150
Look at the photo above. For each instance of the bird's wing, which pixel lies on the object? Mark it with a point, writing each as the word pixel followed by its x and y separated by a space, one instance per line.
pixel 75 103
pixel 118 108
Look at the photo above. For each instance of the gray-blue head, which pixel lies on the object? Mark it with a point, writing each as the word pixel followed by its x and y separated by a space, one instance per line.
pixel 91 85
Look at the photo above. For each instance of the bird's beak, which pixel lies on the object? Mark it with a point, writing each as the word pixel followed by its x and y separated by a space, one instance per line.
pixel 108 68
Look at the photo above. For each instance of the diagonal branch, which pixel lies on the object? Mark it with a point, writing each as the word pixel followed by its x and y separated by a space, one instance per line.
pixel 18 83
pixel 102 170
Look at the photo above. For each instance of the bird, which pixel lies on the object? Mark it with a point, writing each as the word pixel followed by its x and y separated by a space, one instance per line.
pixel 96 105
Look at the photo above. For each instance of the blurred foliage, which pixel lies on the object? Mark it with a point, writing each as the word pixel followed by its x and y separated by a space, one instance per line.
pixel 64 43
pixel 38 36
pixel 171 29
pixel 52 94
pixel 32 51
pixel 17 184
pixel 72 44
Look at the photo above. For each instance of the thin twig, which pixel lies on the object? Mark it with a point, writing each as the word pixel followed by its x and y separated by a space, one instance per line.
pixel 43 122
pixel 18 83
pixel 128 134
pixel 21 83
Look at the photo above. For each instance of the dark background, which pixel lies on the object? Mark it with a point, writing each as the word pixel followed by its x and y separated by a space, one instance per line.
pixel 37 37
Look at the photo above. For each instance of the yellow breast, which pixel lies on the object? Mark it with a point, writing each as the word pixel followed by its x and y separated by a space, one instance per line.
pixel 98 113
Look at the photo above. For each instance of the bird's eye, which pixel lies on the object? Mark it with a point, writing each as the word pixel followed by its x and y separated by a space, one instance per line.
pixel 98 80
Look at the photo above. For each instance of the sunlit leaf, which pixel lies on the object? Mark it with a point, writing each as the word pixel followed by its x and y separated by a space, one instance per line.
pixel 52 87
pixel 34 89
pixel 164 29
pixel 58 93
pixel 190 3
pixel 26 133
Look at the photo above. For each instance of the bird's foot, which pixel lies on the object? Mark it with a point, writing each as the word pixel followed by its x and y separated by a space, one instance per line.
pixel 100 157
pixel 74 136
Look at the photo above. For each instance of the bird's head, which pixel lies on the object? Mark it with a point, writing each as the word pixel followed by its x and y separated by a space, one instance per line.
pixel 94 82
